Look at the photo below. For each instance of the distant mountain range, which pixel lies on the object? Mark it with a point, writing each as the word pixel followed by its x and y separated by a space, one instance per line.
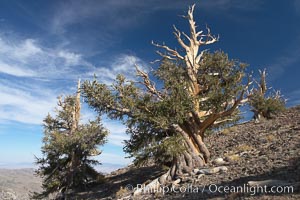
pixel 104 167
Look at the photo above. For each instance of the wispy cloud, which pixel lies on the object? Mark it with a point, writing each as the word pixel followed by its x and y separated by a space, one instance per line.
pixel 297 6
pixel 227 5
pixel 13 57
pixel 115 14
pixel 28 78
pixel 70 58
pixel 293 98
pixel 122 64
pixel 19 105
pixel 287 60
pixel 35 72
pixel 27 58
pixel 117 132
pixel 109 14
pixel 11 69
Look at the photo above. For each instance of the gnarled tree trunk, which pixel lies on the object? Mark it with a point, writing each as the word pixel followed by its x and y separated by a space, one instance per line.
pixel 196 155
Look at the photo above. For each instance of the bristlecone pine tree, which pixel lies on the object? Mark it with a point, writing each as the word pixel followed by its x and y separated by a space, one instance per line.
pixel 167 118
pixel 66 165
pixel 265 103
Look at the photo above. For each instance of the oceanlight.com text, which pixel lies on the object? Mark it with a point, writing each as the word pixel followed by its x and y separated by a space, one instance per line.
pixel 212 189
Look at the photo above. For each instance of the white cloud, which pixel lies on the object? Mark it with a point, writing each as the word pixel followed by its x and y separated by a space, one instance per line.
pixel 70 58
pixel 27 58
pixel 13 55
pixel 27 48
pixel 17 104
pixel 123 64
pixel 15 70
pixel 117 132
pixel 19 49
pixel 24 98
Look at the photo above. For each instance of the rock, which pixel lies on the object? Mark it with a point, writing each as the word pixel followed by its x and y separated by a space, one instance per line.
pixel 219 161
pixel 195 171
pixel 232 158
pixel 213 170
pixel 200 175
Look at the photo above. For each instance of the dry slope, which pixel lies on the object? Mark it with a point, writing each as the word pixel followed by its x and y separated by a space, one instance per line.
pixel 269 150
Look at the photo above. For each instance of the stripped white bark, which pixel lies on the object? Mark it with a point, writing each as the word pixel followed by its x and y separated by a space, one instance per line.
pixel 76 110
pixel 213 170
pixel 196 39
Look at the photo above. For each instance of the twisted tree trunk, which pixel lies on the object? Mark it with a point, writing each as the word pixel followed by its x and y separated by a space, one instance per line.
pixel 194 156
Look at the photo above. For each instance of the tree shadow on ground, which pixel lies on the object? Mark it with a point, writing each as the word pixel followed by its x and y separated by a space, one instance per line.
pixel 121 179
pixel 289 173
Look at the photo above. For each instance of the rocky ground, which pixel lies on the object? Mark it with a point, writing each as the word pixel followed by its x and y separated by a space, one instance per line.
pixel 246 153
pixel 265 151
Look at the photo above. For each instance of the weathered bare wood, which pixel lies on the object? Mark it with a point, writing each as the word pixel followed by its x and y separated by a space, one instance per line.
pixel 213 170
pixel 76 110
pixel 147 83
pixel 192 56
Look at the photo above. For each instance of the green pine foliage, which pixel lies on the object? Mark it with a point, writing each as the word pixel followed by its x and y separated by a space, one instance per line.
pixel 149 118
pixel 222 79
pixel 264 102
pixel 267 106
pixel 67 161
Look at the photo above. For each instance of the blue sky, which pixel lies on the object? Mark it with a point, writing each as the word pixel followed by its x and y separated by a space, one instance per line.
pixel 45 46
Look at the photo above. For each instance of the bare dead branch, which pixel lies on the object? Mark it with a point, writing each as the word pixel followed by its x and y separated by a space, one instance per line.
pixel 177 34
pixel 170 51
pixel 222 121
pixel 263 84
pixel 147 83
pixel 125 111
pixel 209 38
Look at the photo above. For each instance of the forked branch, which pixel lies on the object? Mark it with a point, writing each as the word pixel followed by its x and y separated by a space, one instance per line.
pixel 147 83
